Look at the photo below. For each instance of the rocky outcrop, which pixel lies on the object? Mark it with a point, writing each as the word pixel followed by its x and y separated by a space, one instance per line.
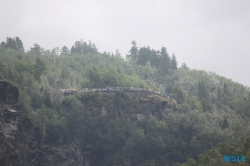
pixel 8 93
pixel 20 141
pixel 8 122
pixel 131 107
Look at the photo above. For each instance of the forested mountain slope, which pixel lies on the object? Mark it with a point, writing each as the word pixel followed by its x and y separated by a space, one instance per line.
pixel 203 108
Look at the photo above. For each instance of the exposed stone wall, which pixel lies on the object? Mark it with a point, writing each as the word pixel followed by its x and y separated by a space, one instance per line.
pixel 8 93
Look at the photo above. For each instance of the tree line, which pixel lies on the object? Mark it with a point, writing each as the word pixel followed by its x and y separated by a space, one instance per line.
pixel 204 109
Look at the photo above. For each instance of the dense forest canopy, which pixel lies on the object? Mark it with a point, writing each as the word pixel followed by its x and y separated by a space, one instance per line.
pixel 207 116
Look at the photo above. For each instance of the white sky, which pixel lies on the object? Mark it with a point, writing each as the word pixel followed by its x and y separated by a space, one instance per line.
pixel 210 34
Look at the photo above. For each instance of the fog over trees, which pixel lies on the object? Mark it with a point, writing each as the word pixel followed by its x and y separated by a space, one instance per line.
pixel 206 116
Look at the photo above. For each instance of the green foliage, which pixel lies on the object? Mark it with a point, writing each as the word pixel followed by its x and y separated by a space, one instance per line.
pixel 159 59
pixel 184 66
pixel 211 157
pixel 145 55
pixel 65 73
pixel 2 68
pixel 36 49
pixel 225 124
pixel 39 68
pixel 82 47
pixel 25 103
pixel 203 110
pixel 95 76
pixel 203 90
pixel 23 65
pixel 41 121
pixel 109 79
pixel 165 65
pixel 13 43
pixel 215 155
pixel 133 52
pixel 179 94
pixel 174 63
pixel 65 51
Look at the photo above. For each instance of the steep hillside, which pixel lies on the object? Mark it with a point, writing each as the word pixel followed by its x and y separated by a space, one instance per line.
pixel 91 136
pixel 196 111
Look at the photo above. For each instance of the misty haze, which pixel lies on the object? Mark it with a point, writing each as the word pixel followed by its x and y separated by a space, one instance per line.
pixel 132 83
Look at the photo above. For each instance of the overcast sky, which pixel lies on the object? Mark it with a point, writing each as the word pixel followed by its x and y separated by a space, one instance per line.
pixel 213 35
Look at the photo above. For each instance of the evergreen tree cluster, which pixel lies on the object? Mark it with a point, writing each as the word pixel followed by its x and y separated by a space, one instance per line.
pixel 157 58
pixel 14 43
pixel 81 47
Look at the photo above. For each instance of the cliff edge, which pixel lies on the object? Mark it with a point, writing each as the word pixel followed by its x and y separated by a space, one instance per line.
pixel 20 142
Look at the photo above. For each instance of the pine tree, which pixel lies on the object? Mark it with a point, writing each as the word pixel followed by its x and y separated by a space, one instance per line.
pixel 14 43
pixel 184 66
pixel 156 58
pixel 133 51
pixel 174 62
pixel 117 53
pixel 219 96
pixel 95 76
pixel 165 61
pixel 225 89
pixel 225 123
pixel 203 89
pixel 65 51
pixel 39 68
pixel 94 48
pixel 37 49
pixel 11 43
pixel 19 44
pixel 3 44
pixel 144 55
pixel 2 68
pixel 72 50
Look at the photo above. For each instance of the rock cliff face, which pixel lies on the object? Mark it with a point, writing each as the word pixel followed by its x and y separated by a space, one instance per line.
pixel 8 93
pixel 129 108
pixel 20 142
